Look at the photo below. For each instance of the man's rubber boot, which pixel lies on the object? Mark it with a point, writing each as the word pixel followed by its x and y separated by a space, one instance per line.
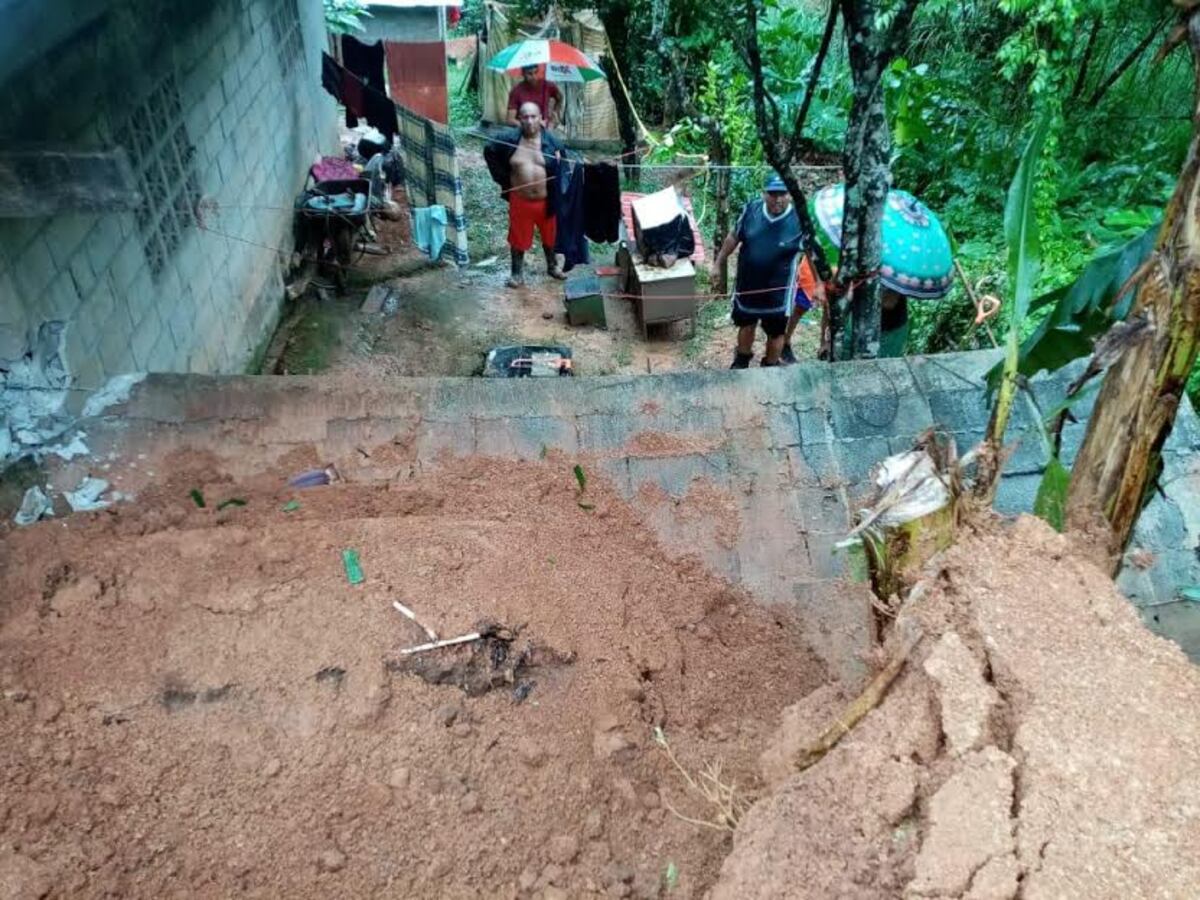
pixel 741 360
pixel 767 365
pixel 552 268
pixel 787 357
pixel 517 278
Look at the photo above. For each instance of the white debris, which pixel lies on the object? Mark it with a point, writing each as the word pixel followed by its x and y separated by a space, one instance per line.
pixel 116 391
pixel 34 506
pixel 86 497
pixel 69 451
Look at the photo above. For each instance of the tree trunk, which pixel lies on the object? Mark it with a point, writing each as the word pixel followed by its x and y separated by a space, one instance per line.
pixel 872 180
pixel 718 153
pixel 866 161
pixel 613 17
pixel 1136 407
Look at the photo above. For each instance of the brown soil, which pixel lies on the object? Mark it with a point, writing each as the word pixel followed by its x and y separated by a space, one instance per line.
pixel 197 702
pixel 1040 743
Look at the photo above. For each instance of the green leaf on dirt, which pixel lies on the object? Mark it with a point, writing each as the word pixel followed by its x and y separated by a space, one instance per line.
pixel 580 477
pixel 542 452
pixel 660 736
pixel 354 572
pixel 232 501
pixel 197 497
pixel 585 505
pixel 1051 502
pixel 1191 593
pixel 672 876
pixel 291 506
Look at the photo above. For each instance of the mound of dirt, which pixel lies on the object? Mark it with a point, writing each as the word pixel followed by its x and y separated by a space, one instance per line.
pixel 1040 743
pixel 199 702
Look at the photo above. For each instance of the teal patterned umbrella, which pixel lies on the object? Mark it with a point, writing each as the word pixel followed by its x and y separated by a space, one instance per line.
pixel 916 249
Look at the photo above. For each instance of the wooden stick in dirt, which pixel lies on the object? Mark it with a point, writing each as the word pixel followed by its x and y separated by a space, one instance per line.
pixel 408 613
pixel 865 702
pixel 437 645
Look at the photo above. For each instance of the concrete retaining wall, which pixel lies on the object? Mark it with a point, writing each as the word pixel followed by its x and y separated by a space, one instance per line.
pixel 756 472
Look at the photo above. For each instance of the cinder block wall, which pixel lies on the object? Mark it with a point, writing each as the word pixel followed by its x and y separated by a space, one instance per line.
pixel 220 108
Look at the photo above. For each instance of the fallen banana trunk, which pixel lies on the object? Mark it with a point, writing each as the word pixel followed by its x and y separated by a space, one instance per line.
pixel 906 642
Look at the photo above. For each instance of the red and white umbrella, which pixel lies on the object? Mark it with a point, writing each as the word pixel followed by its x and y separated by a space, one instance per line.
pixel 562 61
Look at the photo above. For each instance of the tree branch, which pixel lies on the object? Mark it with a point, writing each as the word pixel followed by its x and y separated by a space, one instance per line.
pixel 813 78
pixel 777 158
pixel 1088 49
pixel 1128 61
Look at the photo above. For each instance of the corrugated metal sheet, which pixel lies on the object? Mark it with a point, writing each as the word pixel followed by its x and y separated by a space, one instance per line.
pixel 417 77
pixel 409 4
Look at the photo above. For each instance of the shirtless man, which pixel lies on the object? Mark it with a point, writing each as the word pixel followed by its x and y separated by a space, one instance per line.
pixel 530 171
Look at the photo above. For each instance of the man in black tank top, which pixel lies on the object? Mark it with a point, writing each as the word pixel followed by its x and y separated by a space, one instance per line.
pixel 768 232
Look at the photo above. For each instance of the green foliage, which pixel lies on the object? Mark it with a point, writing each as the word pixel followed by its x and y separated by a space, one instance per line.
pixel 343 16
pixel 471 21
pixel 1051 501
pixel 1021 229
pixel 1024 259
pixel 1084 310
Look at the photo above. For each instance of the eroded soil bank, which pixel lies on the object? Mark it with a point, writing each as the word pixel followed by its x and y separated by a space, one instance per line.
pixel 198 702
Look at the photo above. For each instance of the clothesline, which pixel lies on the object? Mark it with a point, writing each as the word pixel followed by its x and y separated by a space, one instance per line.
pixel 619 160
pixel 614 295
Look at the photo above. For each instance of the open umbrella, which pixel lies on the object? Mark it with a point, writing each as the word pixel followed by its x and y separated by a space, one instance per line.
pixel 916 250
pixel 562 61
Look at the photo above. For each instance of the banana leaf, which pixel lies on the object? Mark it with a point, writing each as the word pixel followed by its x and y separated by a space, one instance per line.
pixel 1082 311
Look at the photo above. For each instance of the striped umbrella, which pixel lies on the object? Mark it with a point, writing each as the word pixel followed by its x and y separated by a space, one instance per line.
pixel 562 61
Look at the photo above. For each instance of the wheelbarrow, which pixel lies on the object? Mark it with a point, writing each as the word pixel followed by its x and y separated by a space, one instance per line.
pixel 332 216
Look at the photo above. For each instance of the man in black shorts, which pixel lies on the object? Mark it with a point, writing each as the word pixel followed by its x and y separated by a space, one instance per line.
pixel 768 232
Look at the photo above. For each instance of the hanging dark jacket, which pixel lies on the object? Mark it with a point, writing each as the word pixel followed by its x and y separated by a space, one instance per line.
pixel 498 154
pixel 570 237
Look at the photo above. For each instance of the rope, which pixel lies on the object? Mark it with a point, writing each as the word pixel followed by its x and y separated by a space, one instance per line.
pixel 614 295
pixel 617 160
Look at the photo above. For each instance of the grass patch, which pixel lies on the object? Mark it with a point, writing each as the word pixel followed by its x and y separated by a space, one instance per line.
pixel 709 317
pixel 313 340
pixel 464 103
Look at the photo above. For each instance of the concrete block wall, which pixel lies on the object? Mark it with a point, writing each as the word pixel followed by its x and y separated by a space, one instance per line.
pixel 237 83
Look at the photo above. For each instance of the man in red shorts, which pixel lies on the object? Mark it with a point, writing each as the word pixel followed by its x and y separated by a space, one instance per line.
pixel 525 164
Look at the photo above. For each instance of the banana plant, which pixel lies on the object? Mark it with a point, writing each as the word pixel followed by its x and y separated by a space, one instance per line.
pixel 1024 264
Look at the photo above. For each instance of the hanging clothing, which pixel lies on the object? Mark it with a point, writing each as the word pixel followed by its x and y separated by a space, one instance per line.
pixel 366 62
pixel 767 261
pixel 428 160
pixel 429 230
pixel 601 202
pixel 380 112
pixel 359 99
pixel 430 167
pixel 570 239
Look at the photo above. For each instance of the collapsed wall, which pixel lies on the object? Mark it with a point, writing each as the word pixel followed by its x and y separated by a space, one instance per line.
pixel 1040 743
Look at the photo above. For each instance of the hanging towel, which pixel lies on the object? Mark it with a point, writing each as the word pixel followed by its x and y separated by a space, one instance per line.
pixel 601 202
pixel 429 230
pixel 570 239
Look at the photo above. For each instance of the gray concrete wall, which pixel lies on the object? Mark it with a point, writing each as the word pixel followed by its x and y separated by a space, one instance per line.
pixel 218 102
pixel 756 472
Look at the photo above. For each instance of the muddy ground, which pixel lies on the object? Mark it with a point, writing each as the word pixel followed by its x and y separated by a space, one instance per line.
pixel 1040 743
pixel 446 318
pixel 198 701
